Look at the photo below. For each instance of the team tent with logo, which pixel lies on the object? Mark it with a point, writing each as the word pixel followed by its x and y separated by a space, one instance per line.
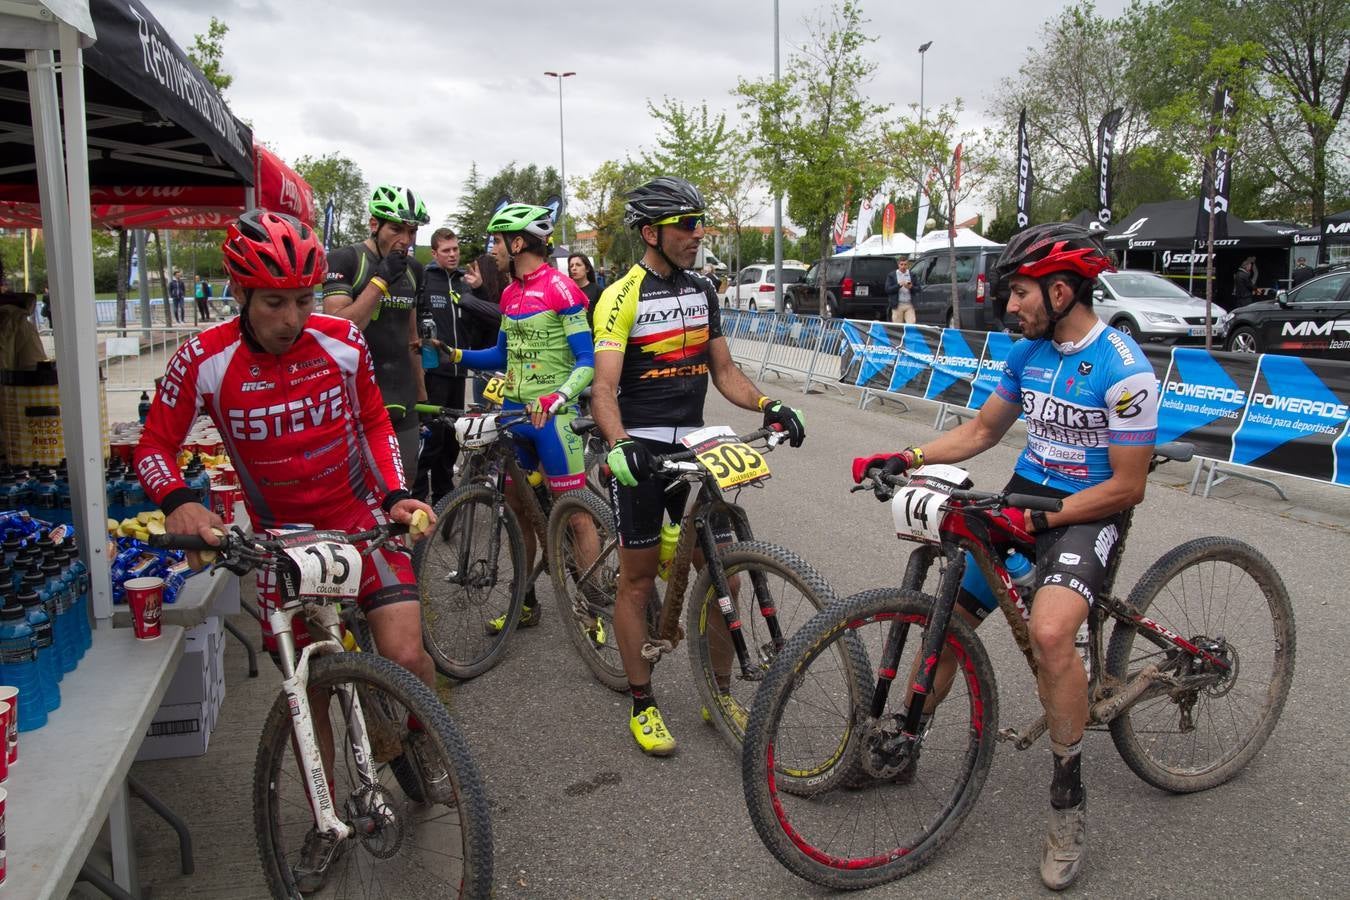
pixel 1335 235
pixel 1161 238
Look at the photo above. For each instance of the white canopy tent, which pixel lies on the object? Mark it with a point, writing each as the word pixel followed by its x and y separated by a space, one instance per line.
pixel 51 34
pixel 937 240
pixel 900 244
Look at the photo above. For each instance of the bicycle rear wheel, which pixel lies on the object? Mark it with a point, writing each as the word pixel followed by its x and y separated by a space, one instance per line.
pixel 765 581
pixel 1224 596
pixel 810 721
pixel 405 848
pixel 586 587
pixel 470 571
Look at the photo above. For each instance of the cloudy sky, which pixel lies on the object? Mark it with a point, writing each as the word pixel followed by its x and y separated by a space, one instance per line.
pixel 416 91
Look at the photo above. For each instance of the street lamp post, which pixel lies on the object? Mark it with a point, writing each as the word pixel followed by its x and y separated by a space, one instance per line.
pixel 923 54
pixel 778 299
pixel 923 203
pixel 562 156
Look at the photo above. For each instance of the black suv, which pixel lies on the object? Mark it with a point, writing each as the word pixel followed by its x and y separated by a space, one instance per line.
pixel 855 288
pixel 1311 320
pixel 975 281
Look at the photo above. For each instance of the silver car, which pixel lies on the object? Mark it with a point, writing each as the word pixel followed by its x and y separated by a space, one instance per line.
pixel 1148 307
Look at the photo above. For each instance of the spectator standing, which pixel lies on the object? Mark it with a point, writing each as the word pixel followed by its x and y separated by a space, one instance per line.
pixel 375 284
pixel 177 291
pixel 201 294
pixel 899 285
pixel 1302 272
pixel 47 306
pixel 583 273
pixel 1244 283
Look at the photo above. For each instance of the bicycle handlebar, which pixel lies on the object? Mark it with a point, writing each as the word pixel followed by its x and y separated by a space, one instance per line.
pixel 236 544
pixel 883 485
pixel 681 461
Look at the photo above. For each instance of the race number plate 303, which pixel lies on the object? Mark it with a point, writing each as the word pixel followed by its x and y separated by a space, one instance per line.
pixel 918 512
pixel 732 463
pixel 329 570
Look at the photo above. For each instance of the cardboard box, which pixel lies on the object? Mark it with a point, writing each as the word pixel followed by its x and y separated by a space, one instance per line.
pixel 178 729
pixel 191 682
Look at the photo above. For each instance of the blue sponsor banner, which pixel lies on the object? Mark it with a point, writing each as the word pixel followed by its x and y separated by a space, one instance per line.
pixel 997 346
pixel 914 365
pixel 877 358
pixel 954 367
pixel 1295 417
pixel 1202 399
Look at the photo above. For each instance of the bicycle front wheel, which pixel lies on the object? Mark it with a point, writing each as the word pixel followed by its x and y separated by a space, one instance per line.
pixel 768 584
pixel 471 575
pixel 881 807
pixel 401 846
pixel 583 556
pixel 1223 596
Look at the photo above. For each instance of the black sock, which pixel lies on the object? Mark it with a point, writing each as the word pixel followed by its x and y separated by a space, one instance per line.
pixel 530 600
pixel 643 699
pixel 1066 784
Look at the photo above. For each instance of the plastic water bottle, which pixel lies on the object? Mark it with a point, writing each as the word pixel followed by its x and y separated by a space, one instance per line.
pixel 81 607
pixel 38 584
pixel 19 664
pixel 143 408
pixel 1021 570
pixel 670 537
pixel 63 624
pixel 48 671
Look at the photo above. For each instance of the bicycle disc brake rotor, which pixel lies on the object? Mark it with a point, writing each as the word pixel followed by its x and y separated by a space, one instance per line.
pixel 378 819
pixel 885 750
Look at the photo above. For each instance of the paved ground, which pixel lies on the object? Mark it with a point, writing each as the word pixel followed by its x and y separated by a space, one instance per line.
pixel 578 812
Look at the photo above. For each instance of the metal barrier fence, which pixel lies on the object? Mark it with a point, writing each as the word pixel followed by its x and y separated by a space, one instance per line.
pixel 786 343
pixel 135 356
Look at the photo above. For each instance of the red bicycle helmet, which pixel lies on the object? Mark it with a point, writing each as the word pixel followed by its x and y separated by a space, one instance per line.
pixel 272 250
pixel 1056 247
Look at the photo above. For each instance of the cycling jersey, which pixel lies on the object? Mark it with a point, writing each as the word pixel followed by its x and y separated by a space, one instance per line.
pixel 306 430
pixel 663 328
pixel 390 332
pixel 1078 401
pixel 544 344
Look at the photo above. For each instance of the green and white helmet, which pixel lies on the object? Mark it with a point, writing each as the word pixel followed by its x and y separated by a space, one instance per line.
pixel 398 204
pixel 523 218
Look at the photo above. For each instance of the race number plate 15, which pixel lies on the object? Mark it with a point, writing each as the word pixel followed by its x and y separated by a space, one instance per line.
pixel 328 569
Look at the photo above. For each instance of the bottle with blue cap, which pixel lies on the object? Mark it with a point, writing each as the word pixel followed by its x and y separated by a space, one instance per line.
pixel 1021 570
pixel 18 663
pixel 48 689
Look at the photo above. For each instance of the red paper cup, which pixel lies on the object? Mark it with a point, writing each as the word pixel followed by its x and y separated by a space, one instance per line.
pixel 4 795
pixel 10 696
pixel 145 596
pixel 124 450
pixel 6 712
pixel 223 498
pixel 227 475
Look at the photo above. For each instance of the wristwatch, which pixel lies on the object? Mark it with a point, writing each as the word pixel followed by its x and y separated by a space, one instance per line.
pixel 1038 521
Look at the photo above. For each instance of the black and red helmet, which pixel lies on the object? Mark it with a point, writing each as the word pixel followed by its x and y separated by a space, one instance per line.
pixel 272 250
pixel 1043 250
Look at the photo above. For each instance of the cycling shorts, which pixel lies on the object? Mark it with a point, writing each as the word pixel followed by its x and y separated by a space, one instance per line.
pixel 386 578
pixel 639 511
pixel 1074 556
pixel 555 446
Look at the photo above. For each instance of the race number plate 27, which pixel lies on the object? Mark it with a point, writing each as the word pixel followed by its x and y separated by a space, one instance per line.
pixel 328 569
pixel 732 463
pixel 476 431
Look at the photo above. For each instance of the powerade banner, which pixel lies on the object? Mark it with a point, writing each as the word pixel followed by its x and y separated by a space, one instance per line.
pixel 959 368
pixel 1023 172
pixel 1296 419
pixel 1203 397
pixel 1106 141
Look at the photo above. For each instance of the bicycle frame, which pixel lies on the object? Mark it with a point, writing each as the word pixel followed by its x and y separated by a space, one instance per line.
pixel 295 678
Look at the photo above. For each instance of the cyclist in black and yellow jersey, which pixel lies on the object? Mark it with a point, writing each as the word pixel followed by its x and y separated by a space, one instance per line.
pixel 658 339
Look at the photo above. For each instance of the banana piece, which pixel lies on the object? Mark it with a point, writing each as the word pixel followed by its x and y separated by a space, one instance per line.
pixel 419 525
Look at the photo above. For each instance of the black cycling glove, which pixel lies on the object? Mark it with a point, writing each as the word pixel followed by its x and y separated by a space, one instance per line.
pixel 788 420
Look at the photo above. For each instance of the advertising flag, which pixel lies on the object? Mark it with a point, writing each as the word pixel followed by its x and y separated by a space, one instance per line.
pixel 1023 173
pixel 841 227
pixel 888 222
pixel 328 226
pixel 1106 141
pixel 864 224
pixel 1218 171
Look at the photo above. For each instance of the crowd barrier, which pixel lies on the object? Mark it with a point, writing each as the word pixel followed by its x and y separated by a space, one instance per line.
pixel 1276 413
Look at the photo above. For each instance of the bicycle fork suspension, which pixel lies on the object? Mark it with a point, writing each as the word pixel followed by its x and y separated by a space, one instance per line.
pixel 726 604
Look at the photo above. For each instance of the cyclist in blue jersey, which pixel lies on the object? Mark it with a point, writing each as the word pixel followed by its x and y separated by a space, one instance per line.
pixel 1091 404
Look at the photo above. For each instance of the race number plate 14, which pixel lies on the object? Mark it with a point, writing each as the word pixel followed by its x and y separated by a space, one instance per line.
pixel 732 463
pixel 918 508
pixel 329 569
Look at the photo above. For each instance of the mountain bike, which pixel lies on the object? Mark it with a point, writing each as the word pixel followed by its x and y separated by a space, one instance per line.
pixel 377 824
pixel 847 789
pixel 733 639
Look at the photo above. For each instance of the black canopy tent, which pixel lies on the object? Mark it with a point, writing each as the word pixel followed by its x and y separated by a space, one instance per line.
pixel 1335 234
pixel 1161 237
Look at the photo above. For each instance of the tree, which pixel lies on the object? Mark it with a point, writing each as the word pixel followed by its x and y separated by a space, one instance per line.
pixel 523 185
pixel 333 177
pixel 599 201
pixel 732 199
pixel 208 54
pixel 815 136
pixel 951 167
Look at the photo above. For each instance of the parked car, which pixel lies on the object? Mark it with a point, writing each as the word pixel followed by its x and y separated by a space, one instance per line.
pixel 1148 307
pixel 752 288
pixel 855 288
pixel 1311 320
pixel 975 282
